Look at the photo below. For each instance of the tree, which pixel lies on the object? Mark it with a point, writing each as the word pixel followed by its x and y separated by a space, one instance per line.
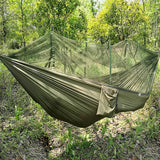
pixel 54 13
pixel 21 21
pixel 98 29
pixel 153 10
pixel 95 6
pixel 76 27
pixel 4 14
pixel 22 11
pixel 118 21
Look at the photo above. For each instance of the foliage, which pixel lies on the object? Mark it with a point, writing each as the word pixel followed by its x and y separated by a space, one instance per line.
pixel 23 21
pixel 18 25
pixel 152 10
pixel 76 26
pixel 117 21
pixel 54 13
pixel 98 28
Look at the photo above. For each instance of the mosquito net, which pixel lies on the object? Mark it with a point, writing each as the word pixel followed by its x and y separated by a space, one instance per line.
pixel 124 65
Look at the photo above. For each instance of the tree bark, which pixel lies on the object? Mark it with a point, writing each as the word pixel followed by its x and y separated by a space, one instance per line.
pixel 144 36
pixel 4 31
pixel 22 26
pixel 156 25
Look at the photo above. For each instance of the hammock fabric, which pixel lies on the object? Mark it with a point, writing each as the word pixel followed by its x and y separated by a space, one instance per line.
pixel 79 96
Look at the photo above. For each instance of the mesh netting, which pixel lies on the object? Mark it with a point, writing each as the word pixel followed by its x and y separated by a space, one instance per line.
pixel 125 65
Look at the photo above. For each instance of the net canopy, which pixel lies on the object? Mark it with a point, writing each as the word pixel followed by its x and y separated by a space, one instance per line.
pixel 125 65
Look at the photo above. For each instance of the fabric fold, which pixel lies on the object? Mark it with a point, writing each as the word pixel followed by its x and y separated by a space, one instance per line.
pixel 108 101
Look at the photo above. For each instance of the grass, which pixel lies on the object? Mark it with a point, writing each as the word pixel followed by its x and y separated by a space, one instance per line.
pixel 28 133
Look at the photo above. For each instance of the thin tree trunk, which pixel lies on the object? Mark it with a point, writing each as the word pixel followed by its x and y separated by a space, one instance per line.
pixel 22 27
pixel 122 31
pixel 4 32
pixel 144 36
pixel 156 24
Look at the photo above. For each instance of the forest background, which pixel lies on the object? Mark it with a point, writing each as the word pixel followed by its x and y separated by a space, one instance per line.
pixel 22 21
pixel 27 132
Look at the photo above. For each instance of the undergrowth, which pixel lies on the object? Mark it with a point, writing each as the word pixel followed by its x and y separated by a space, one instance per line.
pixel 28 133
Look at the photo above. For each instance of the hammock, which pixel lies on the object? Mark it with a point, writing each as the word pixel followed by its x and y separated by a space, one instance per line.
pixel 88 82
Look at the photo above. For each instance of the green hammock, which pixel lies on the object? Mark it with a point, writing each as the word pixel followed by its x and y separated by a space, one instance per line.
pixel 88 82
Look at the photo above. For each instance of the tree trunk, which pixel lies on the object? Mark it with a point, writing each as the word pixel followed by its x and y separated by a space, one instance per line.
pixel 156 25
pixel 144 36
pixel 22 27
pixel 4 31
